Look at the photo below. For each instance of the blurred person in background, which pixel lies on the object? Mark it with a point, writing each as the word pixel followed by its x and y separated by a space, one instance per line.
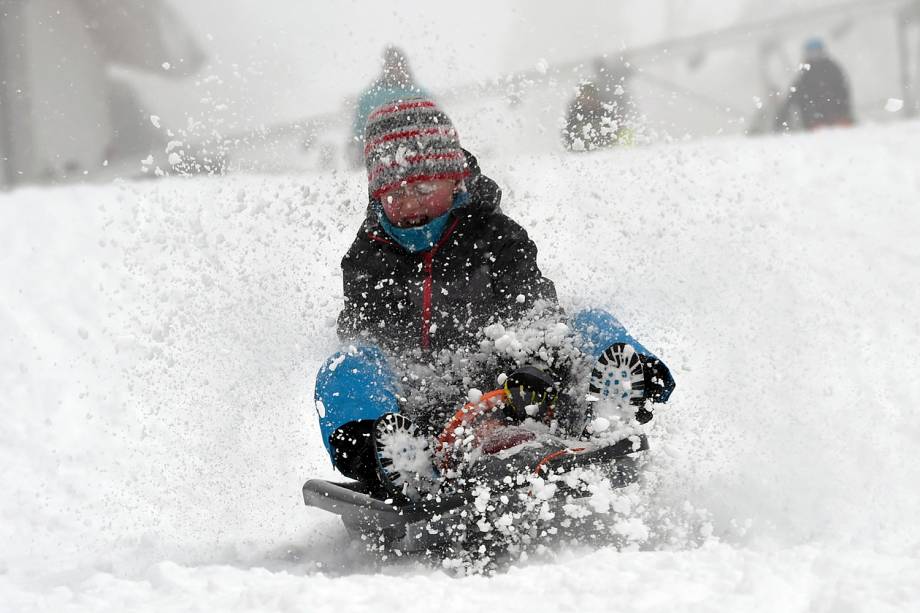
pixel 819 97
pixel 612 81
pixel 394 83
pixel 589 123
pixel 602 113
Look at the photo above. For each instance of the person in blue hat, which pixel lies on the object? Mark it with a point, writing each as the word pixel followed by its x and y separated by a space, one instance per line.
pixel 396 82
pixel 820 95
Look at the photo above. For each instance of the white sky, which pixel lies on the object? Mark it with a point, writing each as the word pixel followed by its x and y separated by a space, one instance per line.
pixel 285 59
pixel 278 61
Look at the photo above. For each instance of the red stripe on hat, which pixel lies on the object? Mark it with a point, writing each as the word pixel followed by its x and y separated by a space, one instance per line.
pixel 445 130
pixel 414 159
pixel 400 106
pixel 431 177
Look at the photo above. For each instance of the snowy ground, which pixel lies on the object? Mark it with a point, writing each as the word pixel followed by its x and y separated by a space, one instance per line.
pixel 159 342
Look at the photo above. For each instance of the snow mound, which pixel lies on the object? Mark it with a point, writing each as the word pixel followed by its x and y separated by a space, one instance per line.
pixel 160 342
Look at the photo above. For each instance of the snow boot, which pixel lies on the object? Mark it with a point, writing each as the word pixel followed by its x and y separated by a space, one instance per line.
pixel 404 459
pixel 620 375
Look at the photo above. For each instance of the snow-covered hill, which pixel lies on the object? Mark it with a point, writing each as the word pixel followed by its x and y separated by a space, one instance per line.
pixel 160 341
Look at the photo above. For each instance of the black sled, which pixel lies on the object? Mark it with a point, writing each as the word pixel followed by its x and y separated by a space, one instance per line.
pixel 428 524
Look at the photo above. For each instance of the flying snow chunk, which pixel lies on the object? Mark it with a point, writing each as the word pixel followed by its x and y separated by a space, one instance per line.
pixel 335 362
pixel 155 120
pixel 166 65
pixel 601 424
pixel 474 395
pixel 402 154
pixel 893 105
pixel 542 65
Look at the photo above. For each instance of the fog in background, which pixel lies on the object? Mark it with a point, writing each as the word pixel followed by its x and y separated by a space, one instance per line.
pixel 289 59
pixel 240 85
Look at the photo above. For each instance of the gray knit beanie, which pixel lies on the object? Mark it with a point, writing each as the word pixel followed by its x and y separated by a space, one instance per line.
pixel 408 141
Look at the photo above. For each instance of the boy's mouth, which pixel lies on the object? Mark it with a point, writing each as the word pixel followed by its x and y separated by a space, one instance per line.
pixel 415 221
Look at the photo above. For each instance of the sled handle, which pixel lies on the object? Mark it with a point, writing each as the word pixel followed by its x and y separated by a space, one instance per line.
pixel 487 403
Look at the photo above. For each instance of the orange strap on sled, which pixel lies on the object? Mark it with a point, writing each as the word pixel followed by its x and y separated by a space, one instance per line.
pixel 488 403
pixel 549 458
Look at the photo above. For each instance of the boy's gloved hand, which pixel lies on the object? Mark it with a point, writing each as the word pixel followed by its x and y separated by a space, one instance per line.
pixel 658 380
pixel 531 393
pixel 352 444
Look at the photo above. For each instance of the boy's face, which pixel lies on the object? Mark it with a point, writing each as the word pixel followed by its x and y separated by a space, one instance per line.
pixel 413 205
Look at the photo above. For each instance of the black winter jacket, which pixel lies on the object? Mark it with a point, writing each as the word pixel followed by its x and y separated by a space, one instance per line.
pixel 483 269
pixel 821 96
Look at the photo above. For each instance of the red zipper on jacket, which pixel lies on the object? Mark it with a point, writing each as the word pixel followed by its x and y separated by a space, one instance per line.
pixel 428 261
pixel 427 282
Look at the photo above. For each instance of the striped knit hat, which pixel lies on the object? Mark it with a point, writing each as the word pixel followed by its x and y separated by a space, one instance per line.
pixel 408 141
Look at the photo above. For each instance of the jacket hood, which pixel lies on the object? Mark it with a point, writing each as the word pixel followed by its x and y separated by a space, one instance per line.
pixel 485 194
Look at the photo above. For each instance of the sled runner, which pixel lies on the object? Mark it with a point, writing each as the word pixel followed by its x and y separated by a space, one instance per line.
pixel 428 523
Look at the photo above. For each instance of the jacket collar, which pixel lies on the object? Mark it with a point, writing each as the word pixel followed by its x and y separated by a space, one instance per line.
pixel 420 238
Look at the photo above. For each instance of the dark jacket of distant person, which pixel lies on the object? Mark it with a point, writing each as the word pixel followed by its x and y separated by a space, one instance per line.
pixel 590 122
pixel 820 96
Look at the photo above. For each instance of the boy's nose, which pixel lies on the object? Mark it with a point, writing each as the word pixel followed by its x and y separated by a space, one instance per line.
pixel 411 202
